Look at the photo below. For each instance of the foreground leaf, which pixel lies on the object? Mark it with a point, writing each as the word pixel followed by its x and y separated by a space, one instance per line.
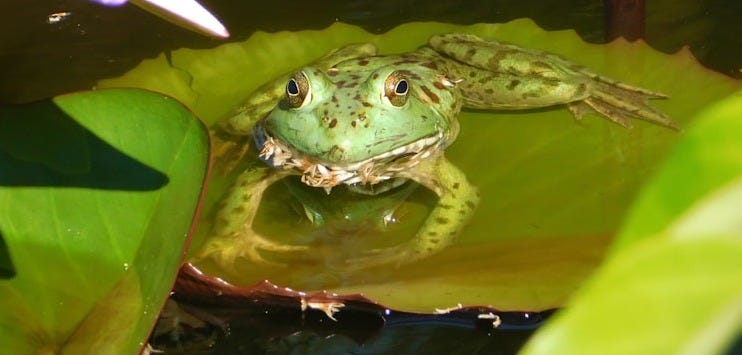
pixel 97 194
pixel 545 181
pixel 672 284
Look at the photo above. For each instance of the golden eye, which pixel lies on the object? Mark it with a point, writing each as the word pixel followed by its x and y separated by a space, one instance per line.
pixel 396 88
pixel 298 90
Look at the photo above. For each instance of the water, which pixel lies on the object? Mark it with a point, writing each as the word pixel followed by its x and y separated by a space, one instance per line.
pixel 40 58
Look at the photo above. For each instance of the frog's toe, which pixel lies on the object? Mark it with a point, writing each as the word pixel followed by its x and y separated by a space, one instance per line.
pixel 226 251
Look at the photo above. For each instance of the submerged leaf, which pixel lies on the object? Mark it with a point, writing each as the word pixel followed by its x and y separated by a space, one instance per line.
pixel 548 184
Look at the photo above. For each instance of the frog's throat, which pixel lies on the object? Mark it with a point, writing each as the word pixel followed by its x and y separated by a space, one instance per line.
pixel 373 170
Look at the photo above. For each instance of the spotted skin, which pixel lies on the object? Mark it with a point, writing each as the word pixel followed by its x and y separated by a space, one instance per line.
pixel 370 121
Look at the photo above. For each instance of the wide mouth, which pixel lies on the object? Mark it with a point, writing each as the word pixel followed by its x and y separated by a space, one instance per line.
pixel 318 173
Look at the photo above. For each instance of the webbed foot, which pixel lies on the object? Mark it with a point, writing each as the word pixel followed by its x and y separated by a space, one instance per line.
pixel 248 245
pixel 619 102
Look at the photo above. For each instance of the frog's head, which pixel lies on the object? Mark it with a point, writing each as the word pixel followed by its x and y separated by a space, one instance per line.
pixel 361 122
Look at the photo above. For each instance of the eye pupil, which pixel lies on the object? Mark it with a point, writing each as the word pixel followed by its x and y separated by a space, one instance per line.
pixel 298 90
pixel 292 88
pixel 401 88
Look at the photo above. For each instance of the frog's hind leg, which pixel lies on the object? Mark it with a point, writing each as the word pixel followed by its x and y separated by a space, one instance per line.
pixel 497 75
pixel 618 102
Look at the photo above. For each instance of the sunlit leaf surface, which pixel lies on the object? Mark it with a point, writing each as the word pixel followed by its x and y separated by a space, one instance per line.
pixel 97 194
pixel 553 191
pixel 673 280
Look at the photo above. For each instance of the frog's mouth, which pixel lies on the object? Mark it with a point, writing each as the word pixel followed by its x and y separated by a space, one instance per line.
pixel 370 171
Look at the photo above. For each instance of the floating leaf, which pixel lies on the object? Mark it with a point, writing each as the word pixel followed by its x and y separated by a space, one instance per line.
pixel 553 191
pixel 672 284
pixel 97 194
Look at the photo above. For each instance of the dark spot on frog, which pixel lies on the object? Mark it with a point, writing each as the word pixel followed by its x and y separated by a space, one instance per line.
pixel 472 74
pixel 357 97
pixel 580 89
pixel 542 65
pixel 471 204
pixel 439 85
pixel 332 72
pixel 432 233
pixel 445 207
pixel 340 84
pixel 442 220
pixel 434 241
pixel 333 123
pixel 404 61
pixel 513 84
pixel 366 104
pixel 430 65
pixel 363 62
pixel 489 91
pixel 456 186
pixel 239 210
pixel 375 76
pixel 530 94
pixel 463 212
pixel 410 75
pixel 361 116
pixel 353 123
pixel 433 97
pixel 470 53
pixel 334 99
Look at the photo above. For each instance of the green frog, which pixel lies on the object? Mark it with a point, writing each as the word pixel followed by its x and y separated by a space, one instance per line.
pixel 373 122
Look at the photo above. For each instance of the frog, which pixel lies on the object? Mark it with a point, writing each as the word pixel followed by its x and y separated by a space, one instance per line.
pixel 372 123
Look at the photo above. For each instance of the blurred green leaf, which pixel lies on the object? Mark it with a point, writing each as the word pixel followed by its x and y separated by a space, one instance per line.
pixel 672 284
pixel 97 194
pixel 545 180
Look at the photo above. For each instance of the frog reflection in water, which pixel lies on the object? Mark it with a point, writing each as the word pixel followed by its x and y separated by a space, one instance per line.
pixel 374 122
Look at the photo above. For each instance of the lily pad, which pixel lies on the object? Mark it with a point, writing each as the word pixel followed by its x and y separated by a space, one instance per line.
pixel 553 192
pixel 672 283
pixel 98 191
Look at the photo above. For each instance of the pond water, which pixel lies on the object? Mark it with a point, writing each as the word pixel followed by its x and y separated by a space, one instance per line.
pixel 39 59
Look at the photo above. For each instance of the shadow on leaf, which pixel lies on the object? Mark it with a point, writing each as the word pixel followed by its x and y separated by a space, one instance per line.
pixel 7 270
pixel 40 145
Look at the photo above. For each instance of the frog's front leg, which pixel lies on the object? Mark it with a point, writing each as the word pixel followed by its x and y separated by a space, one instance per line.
pixel 232 235
pixel 457 200
pixel 499 75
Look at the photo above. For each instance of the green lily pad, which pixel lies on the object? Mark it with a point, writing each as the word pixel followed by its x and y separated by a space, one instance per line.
pixel 548 184
pixel 672 284
pixel 98 191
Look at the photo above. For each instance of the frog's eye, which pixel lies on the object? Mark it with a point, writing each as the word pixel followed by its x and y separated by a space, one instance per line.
pixel 396 88
pixel 298 90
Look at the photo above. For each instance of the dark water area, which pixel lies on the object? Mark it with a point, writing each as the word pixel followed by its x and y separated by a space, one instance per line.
pixel 51 47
